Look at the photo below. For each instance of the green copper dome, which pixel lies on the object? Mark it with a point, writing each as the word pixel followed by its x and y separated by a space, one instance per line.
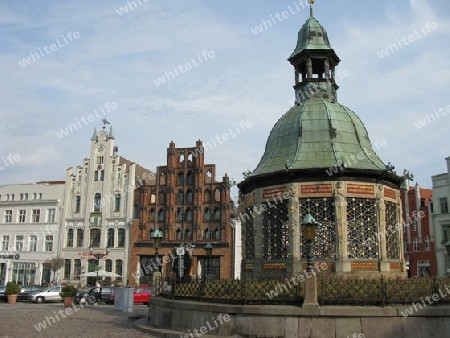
pixel 318 134
pixel 311 36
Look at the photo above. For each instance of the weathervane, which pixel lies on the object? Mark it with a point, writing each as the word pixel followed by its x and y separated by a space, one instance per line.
pixel 311 3
pixel 105 122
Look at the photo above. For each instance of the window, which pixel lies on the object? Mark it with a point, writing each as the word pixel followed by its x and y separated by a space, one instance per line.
pixel 77 268
pixel 189 196
pixel 12 197
pixel 102 175
pixel 190 178
pixel 8 216
pixel 414 226
pixel 188 214
pixel 161 196
pixel 40 196
pixel 69 241
pixel 96 176
pixel 117 203
pixel 179 215
pixel 207 215
pixel 33 243
pixel 121 238
pixel 444 205
pixel 108 265
pixel 415 245
pixel 36 216
pixel 152 215
pixel 188 234
pixel 119 267
pixel 422 202
pixel 110 239
pixel 5 243
pixel 217 214
pixel 179 234
pixel 100 159
pixel 77 203
pixel 208 196
pixel 180 196
pixel 51 213
pixel 180 179
pixel 19 243
pixel 95 237
pixel 34 195
pixel 207 234
pixel 80 237
pixel 67 266
pixel 217 195
pixel 427 243
pixel 49 243
pixel 161 215
pixel 97 201
pixel 162 179
pixel 217 234
pixel 22 216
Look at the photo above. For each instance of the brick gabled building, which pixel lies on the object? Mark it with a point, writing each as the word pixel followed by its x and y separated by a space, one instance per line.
pixel 418 232
pixel 186 203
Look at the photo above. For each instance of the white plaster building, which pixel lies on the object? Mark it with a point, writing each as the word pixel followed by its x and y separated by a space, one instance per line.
pixel 441 219
pixel 99 208
pixel 29 226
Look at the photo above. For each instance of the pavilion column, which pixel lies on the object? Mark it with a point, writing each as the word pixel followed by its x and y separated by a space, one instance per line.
pixel 340 201
pixel 295 232
pixel 384 264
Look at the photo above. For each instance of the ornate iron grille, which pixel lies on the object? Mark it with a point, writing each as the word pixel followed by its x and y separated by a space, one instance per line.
pixel 362 232
pixel 392 232
pixel 275 231
pixel 249 235
pixel 322 209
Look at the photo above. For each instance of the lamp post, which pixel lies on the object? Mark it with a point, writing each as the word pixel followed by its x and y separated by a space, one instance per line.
pixel 98 255
pixel 447 247
pixel 310 304
pixel 208 253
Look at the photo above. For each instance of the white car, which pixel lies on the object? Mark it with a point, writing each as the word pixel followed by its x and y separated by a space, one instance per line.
pixel 49 295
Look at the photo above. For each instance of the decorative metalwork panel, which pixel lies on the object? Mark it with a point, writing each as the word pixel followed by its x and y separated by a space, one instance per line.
pixel 392 232
pixel 362 228
pixel 323 211
pixel 275 231
pixel 249 235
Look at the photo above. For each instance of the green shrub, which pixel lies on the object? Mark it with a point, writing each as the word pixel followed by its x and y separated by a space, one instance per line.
pixel 12 289
pixel 68 291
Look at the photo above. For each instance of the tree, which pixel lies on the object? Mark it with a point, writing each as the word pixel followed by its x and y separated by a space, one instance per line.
pixel 56 264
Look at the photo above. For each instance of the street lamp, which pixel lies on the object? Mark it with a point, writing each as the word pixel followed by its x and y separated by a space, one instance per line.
pixel 310 304
pixel 309 232
pixel 208 252
pixel 98 255
pixel 157 236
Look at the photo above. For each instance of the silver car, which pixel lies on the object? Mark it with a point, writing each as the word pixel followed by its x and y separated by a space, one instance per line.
pixel 49 295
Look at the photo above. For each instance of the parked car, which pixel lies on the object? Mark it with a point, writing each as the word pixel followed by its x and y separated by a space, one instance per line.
pixel 25 291
pixel 49 295
pixel 83 295
pixel 89 295
pixel 142 294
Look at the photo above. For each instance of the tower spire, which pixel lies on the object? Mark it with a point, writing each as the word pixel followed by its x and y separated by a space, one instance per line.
pixel 311 12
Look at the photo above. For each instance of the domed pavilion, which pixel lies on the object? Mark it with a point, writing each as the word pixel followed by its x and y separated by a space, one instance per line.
pixel 319 162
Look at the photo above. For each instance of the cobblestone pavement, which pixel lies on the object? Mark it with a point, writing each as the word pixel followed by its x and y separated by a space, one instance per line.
pixel 25 319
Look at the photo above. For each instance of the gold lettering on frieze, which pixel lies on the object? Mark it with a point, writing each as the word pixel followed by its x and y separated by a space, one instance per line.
pixel 361 189
pixel 274 266
pixel 364 266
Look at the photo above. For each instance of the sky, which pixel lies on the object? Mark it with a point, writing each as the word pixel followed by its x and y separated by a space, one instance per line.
pixel 59 62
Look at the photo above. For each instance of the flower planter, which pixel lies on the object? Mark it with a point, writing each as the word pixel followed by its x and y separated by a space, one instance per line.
pixel 12 299
pixel 68 301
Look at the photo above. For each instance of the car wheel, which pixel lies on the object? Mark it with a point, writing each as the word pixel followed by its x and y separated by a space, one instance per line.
pixel 145 303
pixel 39 300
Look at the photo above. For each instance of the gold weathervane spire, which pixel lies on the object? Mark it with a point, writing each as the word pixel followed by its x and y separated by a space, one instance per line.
pixel 311 3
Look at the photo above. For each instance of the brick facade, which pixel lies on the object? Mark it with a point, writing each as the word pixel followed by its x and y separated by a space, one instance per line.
pixel 191 208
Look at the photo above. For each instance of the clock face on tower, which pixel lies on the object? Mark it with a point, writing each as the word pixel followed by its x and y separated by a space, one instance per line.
pixel 100 149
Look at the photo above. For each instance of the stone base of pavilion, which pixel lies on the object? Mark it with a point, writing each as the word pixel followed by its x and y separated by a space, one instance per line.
pixel 174 319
